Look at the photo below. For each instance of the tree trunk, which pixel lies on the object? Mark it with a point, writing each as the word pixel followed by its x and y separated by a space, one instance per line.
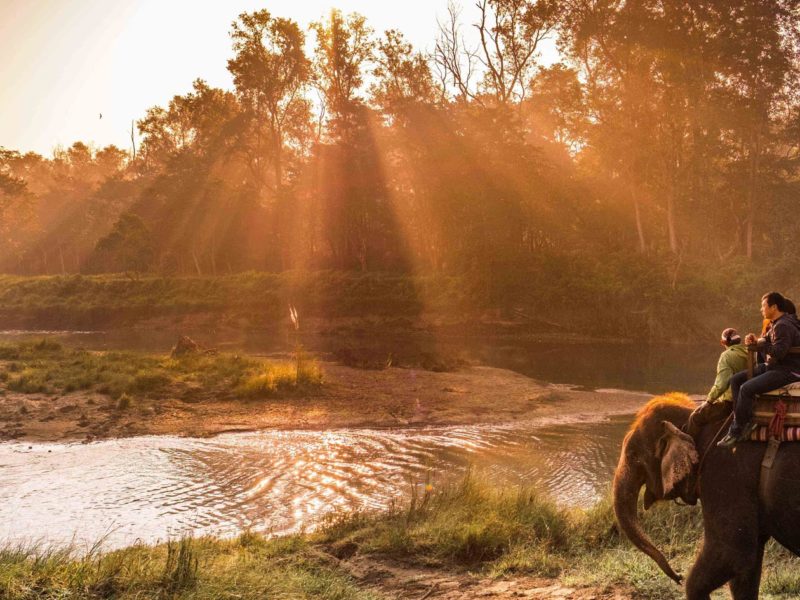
pixel 197 264
pixel 755 159
pixel 673 238
pixel 638 214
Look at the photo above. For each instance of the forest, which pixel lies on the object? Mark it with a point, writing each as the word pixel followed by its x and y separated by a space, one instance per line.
pixel 660 153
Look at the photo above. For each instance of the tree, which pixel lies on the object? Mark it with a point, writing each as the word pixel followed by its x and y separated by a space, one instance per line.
pixel 127 247
pixel 557 107
pixel 197 124
pixel 403 78
pixel 344 48
pixel 270 71
pixel 500 67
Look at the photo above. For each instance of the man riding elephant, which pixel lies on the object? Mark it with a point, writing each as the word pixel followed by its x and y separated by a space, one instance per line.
pixel 739 515
pixel 781 366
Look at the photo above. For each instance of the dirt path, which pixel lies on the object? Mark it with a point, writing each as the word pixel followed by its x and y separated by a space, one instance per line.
pixel 406 582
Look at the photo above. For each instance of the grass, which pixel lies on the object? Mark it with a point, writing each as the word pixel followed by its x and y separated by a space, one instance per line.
pixel 505 532
pixel 468 525
pixel 249 567
pixel 47 367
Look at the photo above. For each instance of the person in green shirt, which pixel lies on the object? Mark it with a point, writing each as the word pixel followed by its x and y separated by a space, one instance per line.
pixel 719 401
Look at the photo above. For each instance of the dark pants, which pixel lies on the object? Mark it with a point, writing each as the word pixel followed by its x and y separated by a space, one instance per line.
pixel 745 392
pixel 708 412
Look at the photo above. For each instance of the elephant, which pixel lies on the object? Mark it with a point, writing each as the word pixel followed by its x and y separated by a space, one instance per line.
pixel 737 523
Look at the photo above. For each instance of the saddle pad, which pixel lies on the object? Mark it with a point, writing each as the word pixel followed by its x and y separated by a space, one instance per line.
pixel 790 434
pixel 792 389
pixel 765 409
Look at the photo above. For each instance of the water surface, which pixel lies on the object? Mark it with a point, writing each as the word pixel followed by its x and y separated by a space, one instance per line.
pixel 150 488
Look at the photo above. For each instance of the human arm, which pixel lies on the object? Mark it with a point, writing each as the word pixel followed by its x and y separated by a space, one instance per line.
pixel 750 340
pixel 781 340
pixel 722 381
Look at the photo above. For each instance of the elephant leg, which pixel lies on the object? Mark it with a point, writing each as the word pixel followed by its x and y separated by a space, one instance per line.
pixel 711 570
pixel 746 583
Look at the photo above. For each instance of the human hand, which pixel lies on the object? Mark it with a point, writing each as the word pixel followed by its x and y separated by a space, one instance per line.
pixel 750 339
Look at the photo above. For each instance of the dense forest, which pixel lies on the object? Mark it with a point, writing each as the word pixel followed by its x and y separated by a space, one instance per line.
pixel 664 146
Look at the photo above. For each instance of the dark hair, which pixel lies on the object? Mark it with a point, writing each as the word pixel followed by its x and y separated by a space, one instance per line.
pixel 775 299
pixel 789 307
pixel 731 337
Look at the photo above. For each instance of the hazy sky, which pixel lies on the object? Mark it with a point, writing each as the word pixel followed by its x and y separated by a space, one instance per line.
pixel 63 62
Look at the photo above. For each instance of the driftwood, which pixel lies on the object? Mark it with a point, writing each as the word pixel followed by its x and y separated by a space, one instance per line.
pixel 186 346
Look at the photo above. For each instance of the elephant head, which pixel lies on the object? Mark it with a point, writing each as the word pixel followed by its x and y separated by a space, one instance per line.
pixel 657 455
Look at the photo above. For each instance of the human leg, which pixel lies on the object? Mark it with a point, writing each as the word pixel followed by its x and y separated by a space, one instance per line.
pixel 766 382
pixel 738 379
pixel 707 412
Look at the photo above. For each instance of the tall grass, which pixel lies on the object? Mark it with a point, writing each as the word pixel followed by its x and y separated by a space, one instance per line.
pixel 245 568
pixel 511 531
pixel 46 367
pixel 467 525
pixel 277 378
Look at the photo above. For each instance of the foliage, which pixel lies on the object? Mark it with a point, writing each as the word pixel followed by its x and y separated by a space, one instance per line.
pixel 619 295
pixel 661 150
pixel 128 247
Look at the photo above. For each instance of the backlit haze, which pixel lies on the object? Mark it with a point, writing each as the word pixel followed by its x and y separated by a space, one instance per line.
pixel 65 61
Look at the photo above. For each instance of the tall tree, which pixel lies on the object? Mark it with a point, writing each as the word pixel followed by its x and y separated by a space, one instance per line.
pixel 270 71
pixel 344 49
pixel 501 65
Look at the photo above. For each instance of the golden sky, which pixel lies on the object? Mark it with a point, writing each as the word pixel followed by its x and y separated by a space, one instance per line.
pixel 66 61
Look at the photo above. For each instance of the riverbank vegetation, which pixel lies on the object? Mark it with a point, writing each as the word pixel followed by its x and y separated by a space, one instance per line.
pixel 467 532
pixel 625 298
pixel 47 367
pixel 643 185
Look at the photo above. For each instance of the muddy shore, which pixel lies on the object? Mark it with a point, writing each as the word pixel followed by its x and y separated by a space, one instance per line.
pixel 349 398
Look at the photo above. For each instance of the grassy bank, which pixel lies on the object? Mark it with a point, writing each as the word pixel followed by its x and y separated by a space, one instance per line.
pixel 249 567
pixel 619 297
pixel 466 527
pixel 47 367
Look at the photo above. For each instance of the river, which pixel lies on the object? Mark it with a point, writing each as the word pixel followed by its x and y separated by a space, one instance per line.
pixel 152 488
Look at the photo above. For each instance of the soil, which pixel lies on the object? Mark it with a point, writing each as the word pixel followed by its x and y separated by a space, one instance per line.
pixel 393 579
pixel 350 397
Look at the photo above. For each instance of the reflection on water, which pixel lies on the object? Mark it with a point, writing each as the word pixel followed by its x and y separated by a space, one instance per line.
pixel 278 482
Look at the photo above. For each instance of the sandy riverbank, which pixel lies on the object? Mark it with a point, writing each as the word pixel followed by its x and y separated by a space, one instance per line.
pixel 393 397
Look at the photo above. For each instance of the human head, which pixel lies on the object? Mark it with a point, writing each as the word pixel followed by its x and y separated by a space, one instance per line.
pixel 772 305
pixel 730 337
pixel 789 307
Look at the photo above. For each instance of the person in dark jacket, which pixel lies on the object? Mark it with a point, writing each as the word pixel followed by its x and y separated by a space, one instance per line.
pixel 781 366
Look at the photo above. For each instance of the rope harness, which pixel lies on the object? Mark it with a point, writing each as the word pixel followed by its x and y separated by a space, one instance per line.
pixel 708 447
pixel 775 432
pixel 777 422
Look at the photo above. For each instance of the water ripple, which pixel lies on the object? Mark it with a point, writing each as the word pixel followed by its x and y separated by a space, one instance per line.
pixel 149 488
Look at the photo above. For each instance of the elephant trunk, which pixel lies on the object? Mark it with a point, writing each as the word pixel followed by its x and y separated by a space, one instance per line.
pixel 626 496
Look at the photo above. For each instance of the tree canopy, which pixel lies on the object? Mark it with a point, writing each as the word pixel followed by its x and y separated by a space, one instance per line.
pixel 668 132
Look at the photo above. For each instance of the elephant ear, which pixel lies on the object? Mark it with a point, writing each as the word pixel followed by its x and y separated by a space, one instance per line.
pixel 678 456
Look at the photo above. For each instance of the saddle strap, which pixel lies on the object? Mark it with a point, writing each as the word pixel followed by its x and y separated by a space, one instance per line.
pixel 766 468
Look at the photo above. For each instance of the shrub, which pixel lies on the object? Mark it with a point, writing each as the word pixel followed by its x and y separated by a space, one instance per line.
pixel 124 402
